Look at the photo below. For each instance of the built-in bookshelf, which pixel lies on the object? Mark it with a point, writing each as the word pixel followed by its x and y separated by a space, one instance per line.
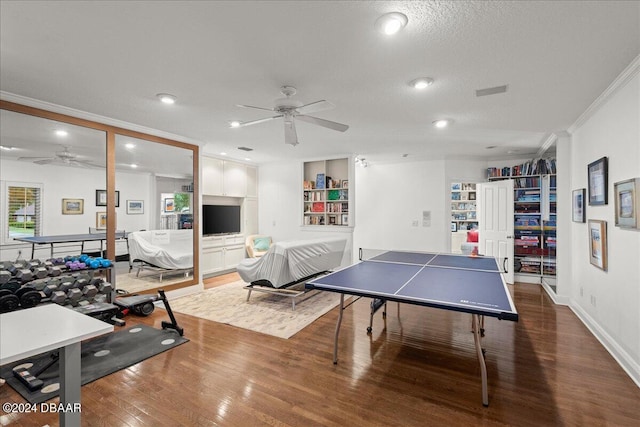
pixel 326 193
pixel 463 206
pixel 534 215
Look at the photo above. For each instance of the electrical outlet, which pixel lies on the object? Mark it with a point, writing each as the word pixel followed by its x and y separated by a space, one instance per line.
pixel 415 223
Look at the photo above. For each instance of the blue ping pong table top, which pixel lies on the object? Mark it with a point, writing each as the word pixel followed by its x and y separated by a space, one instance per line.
pixel 453 282
pixel 67 238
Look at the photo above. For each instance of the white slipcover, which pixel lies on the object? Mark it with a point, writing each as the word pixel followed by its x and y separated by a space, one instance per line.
pixel 170 249
pixel 288 262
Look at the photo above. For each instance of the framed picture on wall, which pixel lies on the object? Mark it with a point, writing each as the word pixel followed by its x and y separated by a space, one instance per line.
pixel 627 203
pixel 101 198
pixel 169 205
pixel 598 182
pixel 101 220
pixel 598 243
pixel 135 207
pixel 72 206
pixel 577 205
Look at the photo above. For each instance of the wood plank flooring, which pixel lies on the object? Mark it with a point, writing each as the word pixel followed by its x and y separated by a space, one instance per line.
pixel 546 370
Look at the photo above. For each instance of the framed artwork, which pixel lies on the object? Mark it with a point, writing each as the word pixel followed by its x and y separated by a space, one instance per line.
pixel 578 205
pixel 627 203
pixel 135 207
pixel 101 220
pixel 72 206
pixel 598 243
pixel 344 219
pixel 101 198
pixel 345 183
pixel 454 226
pixel 598 182
pixel 169 205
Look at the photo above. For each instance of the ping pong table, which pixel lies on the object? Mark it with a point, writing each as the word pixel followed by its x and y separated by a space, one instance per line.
pixel 468 284
pixel 66 241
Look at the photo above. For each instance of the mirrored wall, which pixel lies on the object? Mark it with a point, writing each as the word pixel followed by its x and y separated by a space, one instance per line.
pixel 82 177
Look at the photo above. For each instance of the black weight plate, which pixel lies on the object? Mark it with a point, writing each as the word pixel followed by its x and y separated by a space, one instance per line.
pixel 9 303
pixel 12 286
pixel 23 290
pixel 4 292
pixel 30 299
pixel 146 308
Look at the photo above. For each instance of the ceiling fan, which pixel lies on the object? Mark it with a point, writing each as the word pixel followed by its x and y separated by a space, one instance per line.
pixel 64 157
pixel 290 109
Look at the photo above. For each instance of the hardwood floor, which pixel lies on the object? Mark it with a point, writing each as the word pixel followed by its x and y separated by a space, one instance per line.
pixel 545 370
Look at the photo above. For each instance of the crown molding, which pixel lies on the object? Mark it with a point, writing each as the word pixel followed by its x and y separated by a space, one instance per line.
pixel 620 81
pixel 60 109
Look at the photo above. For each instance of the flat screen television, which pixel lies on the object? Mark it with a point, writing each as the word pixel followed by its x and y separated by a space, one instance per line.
pixel 220 219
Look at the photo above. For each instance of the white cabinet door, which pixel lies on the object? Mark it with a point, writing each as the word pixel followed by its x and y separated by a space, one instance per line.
pixel 252 181
pixel 232 256
pixel 250 211
pixel 212 260
pixel 235 180
pixel 212 176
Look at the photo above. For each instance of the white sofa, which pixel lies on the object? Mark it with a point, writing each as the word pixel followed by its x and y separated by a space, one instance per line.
pixel 286 263
pixel 167 249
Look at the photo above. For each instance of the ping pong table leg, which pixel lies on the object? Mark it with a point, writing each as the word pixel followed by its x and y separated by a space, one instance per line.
pixel 483 366
pixel 335 341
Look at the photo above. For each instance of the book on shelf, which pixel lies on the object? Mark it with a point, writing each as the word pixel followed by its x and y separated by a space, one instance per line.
pixel 317 207
pixel 308 185
pixel 320 181
pixel 532 167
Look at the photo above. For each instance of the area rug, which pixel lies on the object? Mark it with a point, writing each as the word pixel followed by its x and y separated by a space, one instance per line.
pixel 265 313
pixel 99 357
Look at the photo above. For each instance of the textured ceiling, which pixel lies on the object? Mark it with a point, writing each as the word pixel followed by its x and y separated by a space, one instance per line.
pixel 112 58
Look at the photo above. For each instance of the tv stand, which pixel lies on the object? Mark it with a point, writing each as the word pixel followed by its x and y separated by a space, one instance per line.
pixel 221 252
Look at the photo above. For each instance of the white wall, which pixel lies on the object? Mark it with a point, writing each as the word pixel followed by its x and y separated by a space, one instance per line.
pixel 609 301
pixel 61 182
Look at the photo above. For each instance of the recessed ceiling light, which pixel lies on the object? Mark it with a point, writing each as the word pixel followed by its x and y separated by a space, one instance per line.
pixel 133 165
pixel 167 98
pixel 421 82
pixel 223 154
pixel 234 124
pixel 130 145
pixel 61 132
pixel 443 123
pixel 247 159
pixel 6 147
pixel 391 23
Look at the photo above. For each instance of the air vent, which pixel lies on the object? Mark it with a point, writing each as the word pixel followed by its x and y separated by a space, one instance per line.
pixel 491 90
pixel 245 148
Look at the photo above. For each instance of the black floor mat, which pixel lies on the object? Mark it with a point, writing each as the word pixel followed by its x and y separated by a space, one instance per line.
pixel 101 356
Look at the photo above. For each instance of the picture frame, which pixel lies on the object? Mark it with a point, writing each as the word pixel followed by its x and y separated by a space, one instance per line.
pixel 577 205
pixel 344 183
pixel 169 205
pixel 598 181
pixel 135 207
pixel 101 198
pixel 454 226
pixel 101 220
pixel 344 220
pixel 598 243
pixel 72 206
pixel 627 203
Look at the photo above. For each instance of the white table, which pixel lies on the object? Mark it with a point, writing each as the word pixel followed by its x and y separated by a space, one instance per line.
pixel 29 332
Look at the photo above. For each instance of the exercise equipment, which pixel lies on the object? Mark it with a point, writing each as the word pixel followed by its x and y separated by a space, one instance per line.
pixel 30 377
pixel 142 305
pixel 173 324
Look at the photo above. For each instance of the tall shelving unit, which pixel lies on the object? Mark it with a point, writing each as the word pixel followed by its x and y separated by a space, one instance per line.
pixel 326 193
pixel 534 217
pixel 463 206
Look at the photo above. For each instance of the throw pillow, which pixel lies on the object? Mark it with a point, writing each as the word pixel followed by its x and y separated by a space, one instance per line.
pixel 261 243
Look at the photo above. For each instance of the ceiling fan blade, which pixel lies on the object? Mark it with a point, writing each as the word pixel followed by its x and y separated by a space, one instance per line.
pixel 322 122
pixel 290 134
pixel 253 122
pixel 44 161
pixel 257 108
pixel 34 158
pixel 315 107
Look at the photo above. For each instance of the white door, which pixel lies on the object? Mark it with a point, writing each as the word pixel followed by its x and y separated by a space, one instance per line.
pixel 495 222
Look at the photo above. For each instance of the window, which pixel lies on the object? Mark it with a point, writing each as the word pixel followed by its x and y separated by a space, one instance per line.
pixel 24 213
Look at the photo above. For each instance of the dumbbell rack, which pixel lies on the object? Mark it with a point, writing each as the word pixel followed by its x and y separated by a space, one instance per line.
pixel 23 287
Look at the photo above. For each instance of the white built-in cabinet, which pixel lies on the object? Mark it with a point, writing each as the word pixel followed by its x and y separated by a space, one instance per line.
pixel 221 253
pixel 229 179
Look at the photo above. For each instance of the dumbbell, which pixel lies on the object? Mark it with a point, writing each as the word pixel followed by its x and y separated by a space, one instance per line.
pixel 12 285
pixel 66 283
pixel 28 296
pixel 50 289
pixel 58 297
pixel 8 301
pixel 89 291
pixel 5 276
pixel 74 295
pixel 105 288
pixel 24 275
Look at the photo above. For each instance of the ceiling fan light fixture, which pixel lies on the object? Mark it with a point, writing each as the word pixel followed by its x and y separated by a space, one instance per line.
pixel 234 124
pixel 390 23
pixel 421 82
pixel 442 123
pixel 167 98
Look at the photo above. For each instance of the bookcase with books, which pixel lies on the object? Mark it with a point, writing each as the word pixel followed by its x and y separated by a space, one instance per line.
pixel 325 190
pixel 534 210
pixel 463 206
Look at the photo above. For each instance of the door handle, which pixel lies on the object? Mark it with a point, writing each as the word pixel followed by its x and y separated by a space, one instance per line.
pixel 509 237
pixel 504 264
